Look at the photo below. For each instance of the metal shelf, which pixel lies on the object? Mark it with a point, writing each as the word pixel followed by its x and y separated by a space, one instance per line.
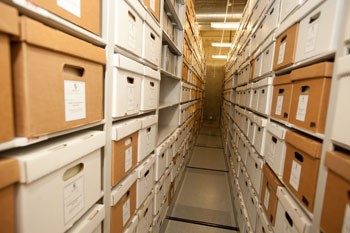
pixel 172 14
pixel 172 46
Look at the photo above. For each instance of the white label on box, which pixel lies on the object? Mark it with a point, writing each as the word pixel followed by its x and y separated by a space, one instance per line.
pixel 126 211
pixel 272 152
pixel 302 107
pixel 281 53
pixel 311 37
pixel 346 222
pixel 74 100
pixel 267 198
pixel 132 31
pixel 295 175
pixel 72 6
pixel 128 159
pixel 73 196
pixel 279 105
pixel 153 5
pixel 131 93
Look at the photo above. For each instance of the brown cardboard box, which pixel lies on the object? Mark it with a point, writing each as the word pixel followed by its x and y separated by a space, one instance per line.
pixel 9 25
pixel 268 196
pixel 282 97
pixel 86 14
pixel 285 47
pixel 154 8
pixel 184 71
pixel 121 152
pixel 337 195
pixel 127 200
pixel 58 80
pixel 9 175
pixel 311 87
pixel 301 167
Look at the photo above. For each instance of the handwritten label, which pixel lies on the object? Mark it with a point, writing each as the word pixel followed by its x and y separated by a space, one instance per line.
pixel 74 100
pixel 281 53
pixel 73 196
pixel 279 105
pixel 302 107
pixel 267 198
pixel 295 175
pixel 311 37
pixel 128 159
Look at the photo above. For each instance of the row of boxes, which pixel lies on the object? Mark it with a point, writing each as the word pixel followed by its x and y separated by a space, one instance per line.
pixel 141 36
pixel 169 60
pixel 139 84
pixel 169 28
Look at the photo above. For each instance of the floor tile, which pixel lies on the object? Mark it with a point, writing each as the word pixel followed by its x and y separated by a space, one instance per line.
pixel 211 158
pixel 212 131
pixel 180 227
pixel 209 141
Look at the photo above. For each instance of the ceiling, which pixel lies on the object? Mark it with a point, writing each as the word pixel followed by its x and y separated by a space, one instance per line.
pixel 208 11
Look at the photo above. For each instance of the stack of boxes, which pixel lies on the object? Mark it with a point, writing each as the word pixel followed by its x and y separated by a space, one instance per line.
pixel 281 94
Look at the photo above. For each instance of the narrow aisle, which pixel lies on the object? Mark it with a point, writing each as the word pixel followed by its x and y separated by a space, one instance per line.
pixel 204 202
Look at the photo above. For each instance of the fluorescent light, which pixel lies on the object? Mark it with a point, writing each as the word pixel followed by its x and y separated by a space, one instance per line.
pixel 224 25
pixel 217 44
pixel 219 16
pixel 219 56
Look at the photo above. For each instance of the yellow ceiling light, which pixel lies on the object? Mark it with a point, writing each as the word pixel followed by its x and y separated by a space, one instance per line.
pixel 218 44
pixel 223 25
pixel 219 56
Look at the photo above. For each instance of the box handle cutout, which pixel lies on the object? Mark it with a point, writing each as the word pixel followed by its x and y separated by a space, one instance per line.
pixel 305 201
pixel 146 174
pixel 285 115
pixel 151 84
pixel 161 187
pixel 263 91
pixel 256 165
pixel 153 36
pixel 271 218
pixel 272 10
pixel 259 129
pixel 73 70
pixel 128 193
pixel 163 155
pixel 93 215
pixel 289 219
pixel 144 215
pixel 263 230
pixel 298 156
pixel 280 91
pixel 283 38
pixel 267 52
pixel 314 18
pixel 148 129
pixel 305 88
pixel 132 16
pixel 130 80
pixel 73 171
pixel 274 139
pixel 312 125
pixel 252 200
pixel 59 147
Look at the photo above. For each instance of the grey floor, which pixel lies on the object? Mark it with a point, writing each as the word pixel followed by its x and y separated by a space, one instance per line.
pixel 204 204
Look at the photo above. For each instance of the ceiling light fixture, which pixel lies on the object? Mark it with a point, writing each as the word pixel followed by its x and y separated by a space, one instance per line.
pixel 224 25
pixel 219 56
pixel 218 44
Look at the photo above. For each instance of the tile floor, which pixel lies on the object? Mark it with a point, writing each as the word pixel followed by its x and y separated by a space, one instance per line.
pixel 204 204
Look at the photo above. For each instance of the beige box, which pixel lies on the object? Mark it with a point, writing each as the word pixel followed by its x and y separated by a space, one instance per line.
pixel 58 80
pixel 282 97
pixel 311 87
pixel 336 202
pixel 301 167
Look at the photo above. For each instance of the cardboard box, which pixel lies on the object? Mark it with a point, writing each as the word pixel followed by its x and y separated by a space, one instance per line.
pixel 285 48
pixel 301 167
pixel 290 217
pixel 127 80
pixel 268 197
pixel 150 89
pixel 145 214
pixel 154 7
pixel 287 7
pixel 9 25
pixel 67 71
pixel 152 41
pixel 264 88
pixel 123 203
pixel 254 165
pixel 9 173
pixel 129 20
pixel 267 59
pixel 147 136
pixel 311 87
pixel 161 157
pixel 131 228
pixel 260 134
pixel 282 97
pixel 262 223
pixel 158 195
pixel 275 149
pixel 85 13
pixel 91 222
pixel 124 149
pixel 67 172
pixel 336 202
pixel 145 181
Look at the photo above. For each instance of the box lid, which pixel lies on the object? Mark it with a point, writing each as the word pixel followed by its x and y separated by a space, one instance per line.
pixel 260 121
pixel 123 187
pixel 138 8
pixel 44 158
pixel 338 163
pixel 300 221
pixel 128 64
pixel 131 228
pixel 307 145
pixel 151 73
pixel 9 21
pixel 152 23
pixel 319 70
pixel 145 166
pixel 264 82
pixel 276 130
pixel 282 79
pixel 271 177
pixel 142 211
pixel 161 148
pixel 148 121
pixel 125 128
pixel 38 34
pixel 9 172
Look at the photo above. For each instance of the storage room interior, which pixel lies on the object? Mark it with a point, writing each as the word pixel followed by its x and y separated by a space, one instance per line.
pixel 174 116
